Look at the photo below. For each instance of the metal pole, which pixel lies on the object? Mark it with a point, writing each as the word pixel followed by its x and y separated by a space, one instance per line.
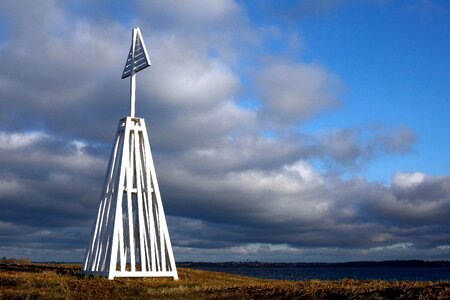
pixel 132 94
pixel 133 76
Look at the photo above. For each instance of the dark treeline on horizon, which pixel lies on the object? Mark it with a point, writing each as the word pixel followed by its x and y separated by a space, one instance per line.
pixel 352 264
pixel 233 264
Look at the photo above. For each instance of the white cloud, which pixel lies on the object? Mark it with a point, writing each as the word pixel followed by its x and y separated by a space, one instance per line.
pixel 223 183
pixel 344 145
pixel 296 92
pixel 397 140
pixel 191 13
pixel 9 187
pixel 20 140
pixel 183 78
pixel 407 180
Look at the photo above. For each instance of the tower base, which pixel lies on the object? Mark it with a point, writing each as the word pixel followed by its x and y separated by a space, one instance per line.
pixel 130 237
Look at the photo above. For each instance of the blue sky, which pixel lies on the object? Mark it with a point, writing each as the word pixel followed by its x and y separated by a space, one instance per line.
pixel 281 130
pixel 391 59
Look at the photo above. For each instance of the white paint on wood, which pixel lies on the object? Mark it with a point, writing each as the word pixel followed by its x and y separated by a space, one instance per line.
pixel 130 236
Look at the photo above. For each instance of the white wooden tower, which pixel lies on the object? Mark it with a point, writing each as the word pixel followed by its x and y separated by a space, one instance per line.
pixel 130 237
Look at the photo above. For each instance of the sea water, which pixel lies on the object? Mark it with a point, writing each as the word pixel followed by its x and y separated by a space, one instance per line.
pixel 336 273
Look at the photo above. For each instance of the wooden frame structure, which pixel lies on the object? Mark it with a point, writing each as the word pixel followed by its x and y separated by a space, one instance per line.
pixel 130 237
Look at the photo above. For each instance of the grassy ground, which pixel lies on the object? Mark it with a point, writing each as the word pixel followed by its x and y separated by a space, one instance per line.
pixel 65 282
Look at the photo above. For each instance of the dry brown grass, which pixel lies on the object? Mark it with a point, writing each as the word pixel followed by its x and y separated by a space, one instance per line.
pixel 65 282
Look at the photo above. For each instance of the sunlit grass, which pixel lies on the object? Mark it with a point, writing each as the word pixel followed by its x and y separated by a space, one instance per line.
pixel 65 282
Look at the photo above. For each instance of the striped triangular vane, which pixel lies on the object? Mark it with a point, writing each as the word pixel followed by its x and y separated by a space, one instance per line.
pixel 137 57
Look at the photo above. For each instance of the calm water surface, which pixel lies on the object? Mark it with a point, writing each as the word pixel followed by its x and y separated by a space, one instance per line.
pixel 324 273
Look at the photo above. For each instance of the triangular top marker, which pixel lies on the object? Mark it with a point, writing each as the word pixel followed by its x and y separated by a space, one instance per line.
pixel 137 57
pixel 137 60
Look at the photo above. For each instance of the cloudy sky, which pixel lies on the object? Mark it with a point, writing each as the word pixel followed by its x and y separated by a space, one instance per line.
pixel 281 130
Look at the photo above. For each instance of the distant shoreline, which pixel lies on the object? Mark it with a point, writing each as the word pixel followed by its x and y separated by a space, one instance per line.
pixel 350 264
pixel 353 264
